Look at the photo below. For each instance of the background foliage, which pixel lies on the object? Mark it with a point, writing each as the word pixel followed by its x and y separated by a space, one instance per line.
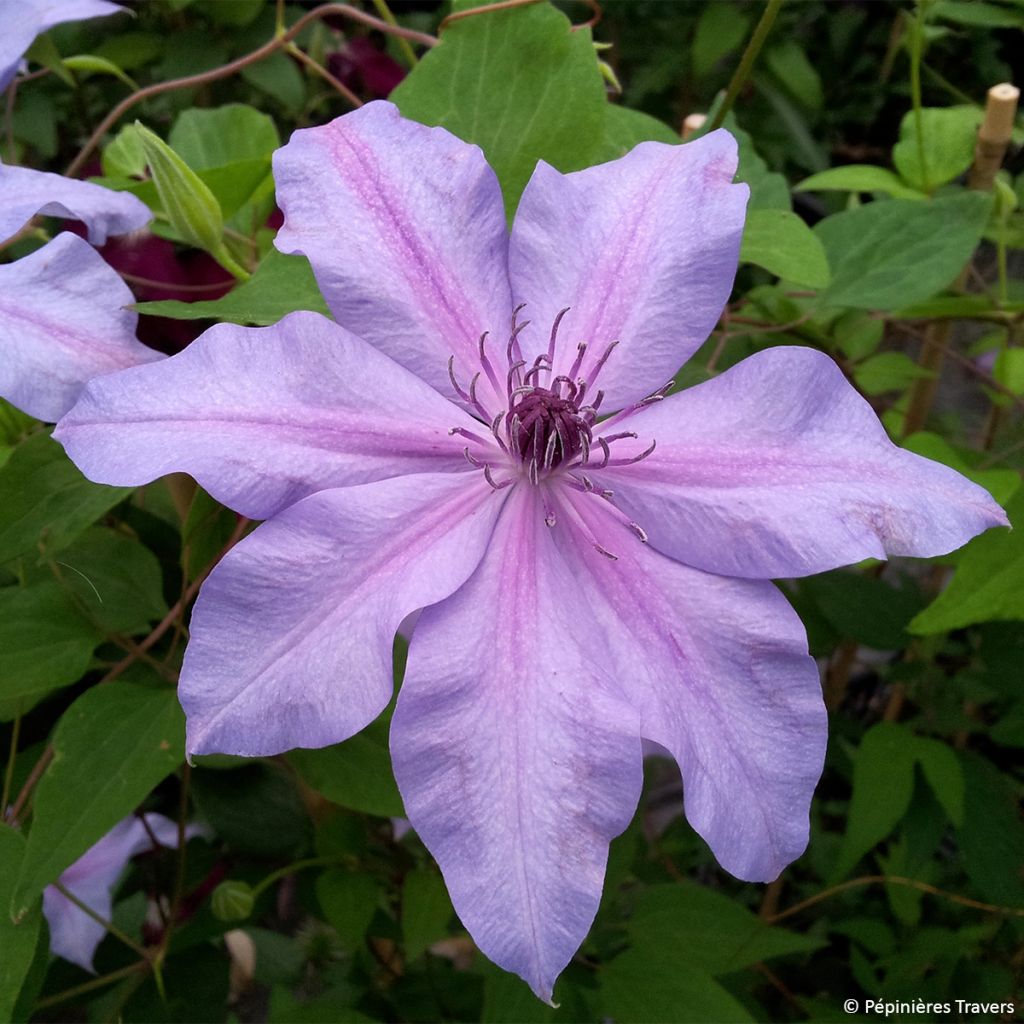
pixel 862 241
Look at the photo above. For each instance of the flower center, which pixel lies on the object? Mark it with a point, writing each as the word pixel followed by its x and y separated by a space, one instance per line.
pixel 549 419
pixel 547 427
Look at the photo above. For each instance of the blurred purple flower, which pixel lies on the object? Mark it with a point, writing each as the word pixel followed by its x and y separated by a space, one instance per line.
pixel 62 315
pixel 585 582
pixel 74 935
pixel 366 68
pixel 23 20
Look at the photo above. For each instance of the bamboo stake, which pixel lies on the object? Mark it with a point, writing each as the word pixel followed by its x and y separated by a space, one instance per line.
pixel 994 135
pixel 693 124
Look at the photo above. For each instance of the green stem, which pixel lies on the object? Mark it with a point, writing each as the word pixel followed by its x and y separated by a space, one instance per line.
pixel 403 44
pixel 746 65
pixel 291 869
pixel 1001 264
pixel 228 262
pixel 107 925
pixel 916 46
pixel 89 986
pixel 9 774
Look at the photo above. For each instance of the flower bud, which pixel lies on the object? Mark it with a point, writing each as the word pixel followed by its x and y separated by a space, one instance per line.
pixel 189 205
pixel 232 900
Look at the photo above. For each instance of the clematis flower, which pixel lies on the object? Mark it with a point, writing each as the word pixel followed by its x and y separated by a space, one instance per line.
pixel 74 935
pixel 25 19
pixel 62 315
pixel 593 558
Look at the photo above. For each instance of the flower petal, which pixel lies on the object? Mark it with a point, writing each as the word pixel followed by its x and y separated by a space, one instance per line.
pixel 718 669
pixel 643 250
pixel 25 19
pixel 92 878
pixel 62 322
pixel 516 763
pixel 291 635
pixel 779 468
pixel 405 229
pixel 25 192
pixel 264 416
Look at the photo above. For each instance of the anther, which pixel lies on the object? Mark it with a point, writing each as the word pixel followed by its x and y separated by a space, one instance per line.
pixel 639 531
pixel 636 458
pixel 490 479
pixel 455 384
pixel 554 336
pixel 581 351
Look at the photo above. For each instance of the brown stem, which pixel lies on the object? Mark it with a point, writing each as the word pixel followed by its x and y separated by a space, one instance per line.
pixel 318 69
pixel 227 70
pixel 910 883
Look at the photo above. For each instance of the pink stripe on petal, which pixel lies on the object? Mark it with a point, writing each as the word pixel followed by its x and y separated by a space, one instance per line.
pixel 718 670
pixel 62 323
pixel 642 249
pixel 291 636
pixel 405 229
pixel 262 417
pixel 517 764
pixel 779 468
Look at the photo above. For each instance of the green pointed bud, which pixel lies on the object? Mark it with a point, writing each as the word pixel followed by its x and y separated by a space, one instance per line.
pixel 191 208
pixel 232 901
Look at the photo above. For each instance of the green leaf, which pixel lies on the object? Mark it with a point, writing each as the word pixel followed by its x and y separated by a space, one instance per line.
pixel 660 985
pixel 721 30
pixel 426 911
pixel 45 502
pixel 864 608
pixel 349 900
pixel 1009 369
pixel 992 835
pixel 897 252
pixel 17 941
pixel 978 13
pixel 124 157
pixel 187 201
pixel 857 334
pixel 1002 484
pixel 89 63
pixel 256 808
pixel 625 128
pixel 859 178
pixel 110 748
pixel 883 783
pixel 720 935
pixel 279 78
pixel 941 768
pixel 780 242
pixel 45 643
pixel 223 135
pixel 281 285
pixel 789 64
pixel 519 83
pixel 888 371
pixel 114 581
pixel 989 580
pixel 948 134
pixel 355 774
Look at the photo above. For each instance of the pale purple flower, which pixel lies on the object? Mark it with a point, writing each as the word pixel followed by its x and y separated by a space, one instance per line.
pixel 23 20
pixel 62 315
pixel 586 581
pixel 94 877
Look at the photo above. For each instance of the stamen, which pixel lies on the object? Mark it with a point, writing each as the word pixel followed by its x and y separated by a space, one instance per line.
pixel 636 458
pixel 581 351
pixel 496 485
pixel 606 449
pixel 469 435
pixel 618 437
pixel 455 384
pixel 471 458
pixel 513 369
pixel 592 376
pixel 486 364
pixel 554 336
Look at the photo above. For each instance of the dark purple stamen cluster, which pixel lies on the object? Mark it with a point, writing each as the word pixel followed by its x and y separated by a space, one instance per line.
pixel 547 425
